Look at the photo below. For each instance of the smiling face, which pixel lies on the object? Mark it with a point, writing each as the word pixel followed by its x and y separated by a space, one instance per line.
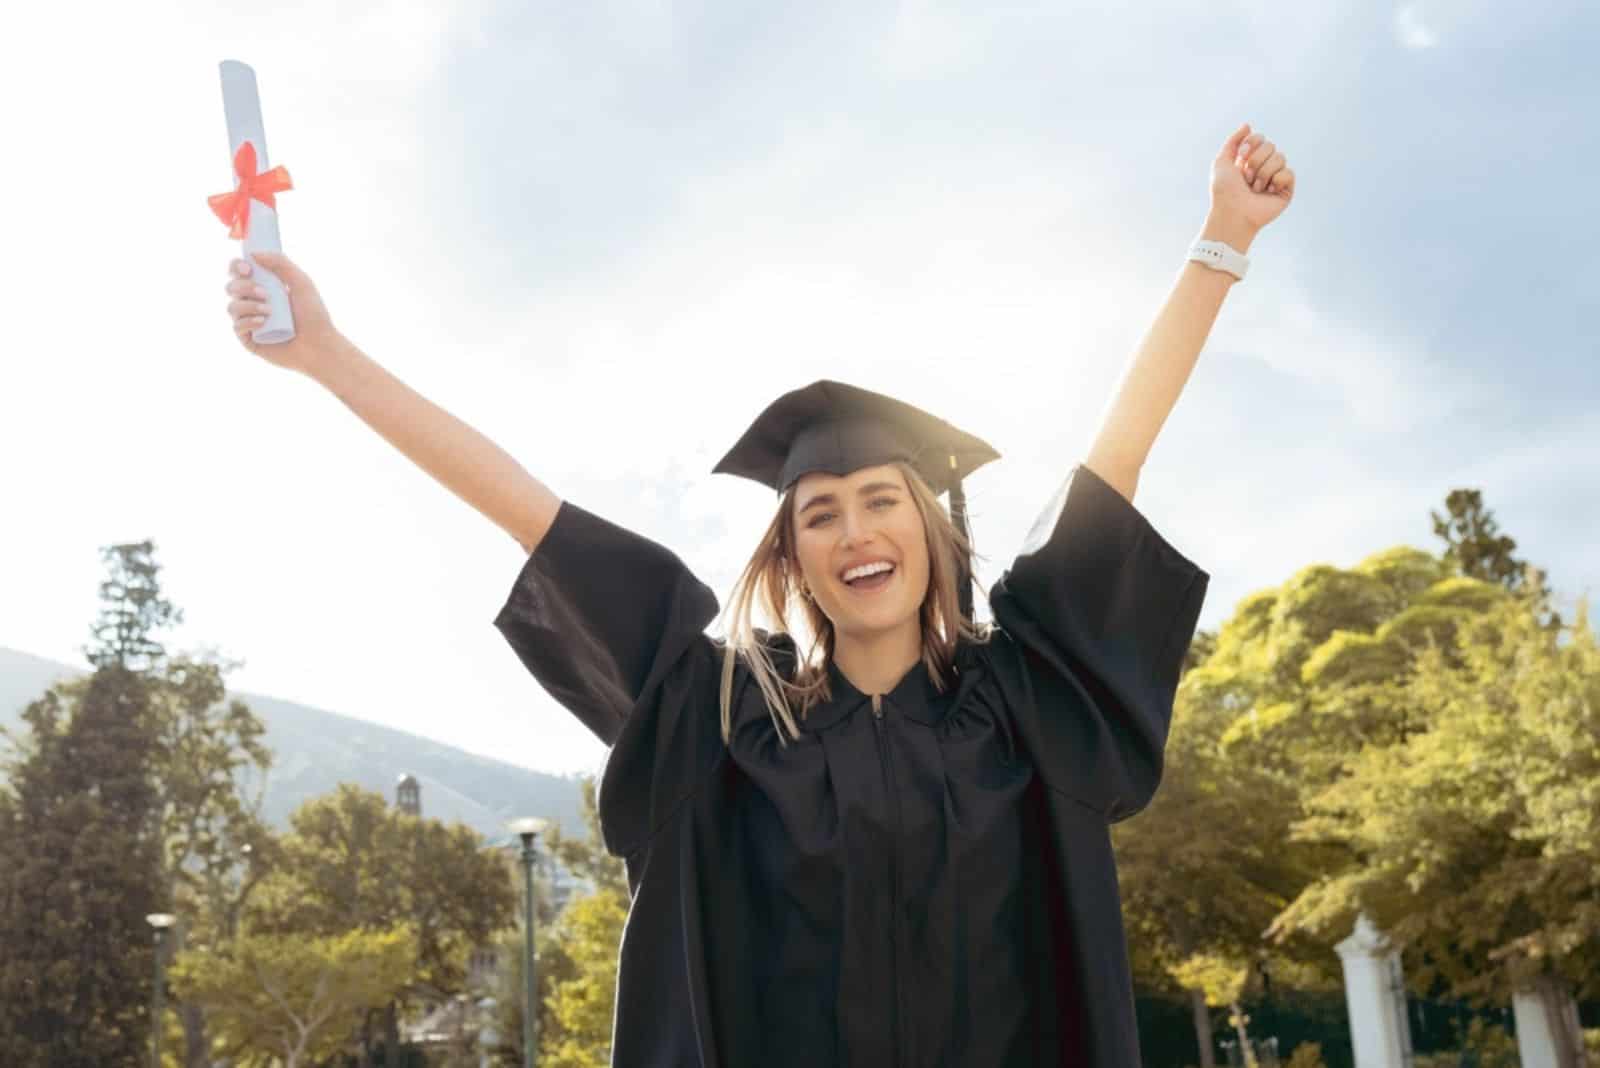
pixel 862 548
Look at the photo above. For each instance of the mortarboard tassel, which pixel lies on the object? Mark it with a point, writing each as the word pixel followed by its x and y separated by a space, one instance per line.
pixel 958 516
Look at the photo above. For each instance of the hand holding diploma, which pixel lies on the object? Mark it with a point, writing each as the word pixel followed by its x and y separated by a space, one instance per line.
pixel 250 210
pixel 276 310
pixel 315 341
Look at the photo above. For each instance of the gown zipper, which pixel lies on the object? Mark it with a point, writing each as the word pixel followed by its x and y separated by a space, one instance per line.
pixel 894 873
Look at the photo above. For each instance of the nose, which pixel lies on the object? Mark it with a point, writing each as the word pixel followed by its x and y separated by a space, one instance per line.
pixel 857 527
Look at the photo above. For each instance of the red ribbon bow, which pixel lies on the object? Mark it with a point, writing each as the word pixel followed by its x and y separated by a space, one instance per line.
pixel 234 208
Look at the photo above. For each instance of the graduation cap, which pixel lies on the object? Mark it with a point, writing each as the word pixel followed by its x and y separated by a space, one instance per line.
pixel 838 428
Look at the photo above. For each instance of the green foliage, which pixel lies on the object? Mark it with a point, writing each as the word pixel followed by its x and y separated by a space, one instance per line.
pixel 80 843
pixel 353 866
pixel 1491 1046
pixel 581 1006
pixel 1473 544
pixel 210 755
pixel 1200 649
pixel 1475 841
pixel 1304 675
pixel 1198 887
pixel 79 871
pixel 1483 1046
pixel 352 861
pixel 1412 574
pixel 131 609
pixel 1220 977
pixel 554 965
pixel 295 996
pixel 1409 735
pixel 1475 547
pixel 1306 1055
pixel 1201 870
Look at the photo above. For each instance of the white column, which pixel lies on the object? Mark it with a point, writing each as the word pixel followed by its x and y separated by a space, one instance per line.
pixel 1375 994
pixel 1547 1020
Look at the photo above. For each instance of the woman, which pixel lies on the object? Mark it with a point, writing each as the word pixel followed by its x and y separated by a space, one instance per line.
pixel 880 838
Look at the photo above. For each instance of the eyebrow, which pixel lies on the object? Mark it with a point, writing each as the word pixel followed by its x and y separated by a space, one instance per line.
pixel 828 498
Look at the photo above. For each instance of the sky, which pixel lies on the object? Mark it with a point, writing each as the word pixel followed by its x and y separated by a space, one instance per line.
pixel 608 234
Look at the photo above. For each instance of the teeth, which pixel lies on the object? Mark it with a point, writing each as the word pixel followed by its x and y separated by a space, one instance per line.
pixel 867 569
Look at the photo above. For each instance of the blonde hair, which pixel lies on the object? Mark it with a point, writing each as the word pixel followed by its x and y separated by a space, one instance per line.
pixel 772 581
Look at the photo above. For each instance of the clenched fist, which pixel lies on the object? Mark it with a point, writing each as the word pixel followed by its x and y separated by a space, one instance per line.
pixel 1251 182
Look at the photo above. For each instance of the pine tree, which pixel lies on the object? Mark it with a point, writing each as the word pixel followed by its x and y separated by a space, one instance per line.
pixel 80 867
pixel 82 874
pixel 1474 547
pixel 131 609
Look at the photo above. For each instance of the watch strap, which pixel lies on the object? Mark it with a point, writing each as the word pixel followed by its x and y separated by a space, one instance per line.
pixel 1220 256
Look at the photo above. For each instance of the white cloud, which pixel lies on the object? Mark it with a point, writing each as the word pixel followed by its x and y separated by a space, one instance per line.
pixel 1411 30
pixel 928 38
pixel 1387 381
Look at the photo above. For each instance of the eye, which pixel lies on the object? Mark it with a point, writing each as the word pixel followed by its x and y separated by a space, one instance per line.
pixel 886 502
pixel 819 519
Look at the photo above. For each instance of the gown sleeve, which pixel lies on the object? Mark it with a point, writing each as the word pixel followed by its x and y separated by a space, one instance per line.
pixel 612 625
pixel 1101 610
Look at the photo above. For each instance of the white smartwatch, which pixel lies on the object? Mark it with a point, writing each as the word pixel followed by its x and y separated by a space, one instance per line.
pixel 1220 256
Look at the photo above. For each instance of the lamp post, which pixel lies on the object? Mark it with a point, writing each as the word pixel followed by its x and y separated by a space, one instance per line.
pixel 159 922
pixel 528 828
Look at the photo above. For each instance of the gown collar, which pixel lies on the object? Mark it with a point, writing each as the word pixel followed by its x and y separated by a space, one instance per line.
pixel 914 696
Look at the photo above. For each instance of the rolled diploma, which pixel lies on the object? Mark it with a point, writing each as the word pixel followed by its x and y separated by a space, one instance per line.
pixel 241 105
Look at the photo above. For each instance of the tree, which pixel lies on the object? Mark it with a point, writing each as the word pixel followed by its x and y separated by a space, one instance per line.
pixel 131 609
pixel 1300 679
pixel 1200 649
pixel 205 755
pixel 1476 844
pixel 80 866
pixel 1411 736
pixel 352 861
pixel 211 771
pixel 1475 547
pixel 1200 878
pixel 79 871
pixel 582 1005
pixel 210 775
pixel 1309 674
pixel 298 997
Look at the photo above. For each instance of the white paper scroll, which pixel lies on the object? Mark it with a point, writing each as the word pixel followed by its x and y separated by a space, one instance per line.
pixel 241 104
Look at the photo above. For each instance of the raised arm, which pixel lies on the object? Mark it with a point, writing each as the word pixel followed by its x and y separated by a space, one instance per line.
pixel 1250 186
pixel 463 460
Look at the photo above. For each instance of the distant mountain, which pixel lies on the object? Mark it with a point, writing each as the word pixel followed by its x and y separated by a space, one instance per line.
pixel 313 751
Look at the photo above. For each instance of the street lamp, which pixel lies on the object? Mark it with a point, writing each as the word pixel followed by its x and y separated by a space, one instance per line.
pixel 528 828
pixel 159 922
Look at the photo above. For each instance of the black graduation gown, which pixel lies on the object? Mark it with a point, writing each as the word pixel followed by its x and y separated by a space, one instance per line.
pixel 923 881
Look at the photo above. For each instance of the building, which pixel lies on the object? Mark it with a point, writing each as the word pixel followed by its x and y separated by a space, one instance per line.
pixel 408 795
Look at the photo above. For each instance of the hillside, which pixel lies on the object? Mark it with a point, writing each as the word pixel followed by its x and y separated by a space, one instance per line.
pixel 315 750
